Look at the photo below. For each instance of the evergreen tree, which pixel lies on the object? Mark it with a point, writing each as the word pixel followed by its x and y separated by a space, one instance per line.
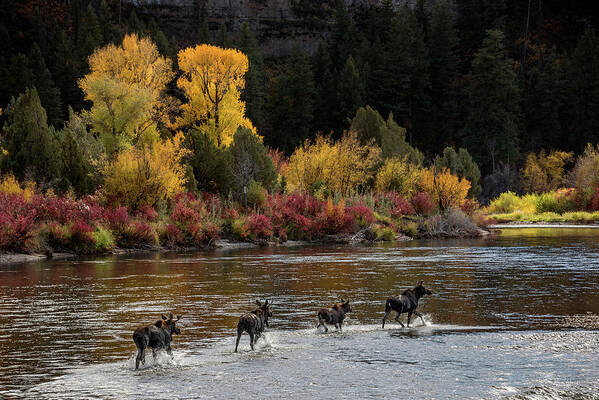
pixel 442 44
pixel 223 39
pixel 492 123
pixel 48 92
pixel 326 112
pixel 388 135
pixel 584 88
pixel 32 146
pixel 290 104
pixel 251 161
pixel 81 152
pixel 255 80
pixel 460 163
pixel 350 91
pixel 211 164
pixel 544 103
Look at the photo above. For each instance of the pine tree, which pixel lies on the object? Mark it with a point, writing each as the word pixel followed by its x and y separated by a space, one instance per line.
pixel 584 88
pixel 290 104
pixel 493 117
pixel 326 111
pixel 32 146
pixel 48 92
pixel 442 46
pixel 255 80
pixel 350 91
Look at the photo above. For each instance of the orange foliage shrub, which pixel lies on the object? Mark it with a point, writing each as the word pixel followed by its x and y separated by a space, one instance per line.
pixel 446 189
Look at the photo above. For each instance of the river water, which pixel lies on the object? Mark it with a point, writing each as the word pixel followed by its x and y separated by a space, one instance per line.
pixel 494 323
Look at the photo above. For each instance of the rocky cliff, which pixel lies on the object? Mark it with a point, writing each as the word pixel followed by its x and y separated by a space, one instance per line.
pixel 278 24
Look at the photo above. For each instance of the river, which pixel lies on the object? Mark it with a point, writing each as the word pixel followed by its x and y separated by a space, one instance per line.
pixel 494 322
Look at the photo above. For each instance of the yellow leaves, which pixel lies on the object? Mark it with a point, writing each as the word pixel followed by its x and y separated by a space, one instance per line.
pixel 148 175
pixel 399 175
pixel 125 84
pixel 544 172
pixel 136 62
pixel 342 166
pixel 212 80
pixel 10 185
pixel 446 189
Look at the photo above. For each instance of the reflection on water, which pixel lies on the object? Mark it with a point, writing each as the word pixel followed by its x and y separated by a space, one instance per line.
pixel 67 325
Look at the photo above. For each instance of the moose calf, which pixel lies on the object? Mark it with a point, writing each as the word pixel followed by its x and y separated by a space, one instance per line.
pixel 406 303
pixel 155 336
pixel 334 315
pixel 253 323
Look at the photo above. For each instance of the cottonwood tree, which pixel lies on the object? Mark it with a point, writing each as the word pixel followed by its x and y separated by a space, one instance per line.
pixel 212 80
pixel 126 86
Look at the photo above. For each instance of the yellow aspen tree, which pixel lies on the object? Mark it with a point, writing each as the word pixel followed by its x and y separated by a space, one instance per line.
pixel 126 85
pixel 212 80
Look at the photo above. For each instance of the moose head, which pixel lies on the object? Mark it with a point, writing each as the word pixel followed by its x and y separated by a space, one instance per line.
pixel 345 305
pixel 169 324
pixel 420 290
pixel 265 308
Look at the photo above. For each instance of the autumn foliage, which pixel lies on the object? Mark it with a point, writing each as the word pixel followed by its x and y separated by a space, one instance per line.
pixel 446 190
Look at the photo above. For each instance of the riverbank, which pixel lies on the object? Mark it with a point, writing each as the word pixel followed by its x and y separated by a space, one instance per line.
pixel 219 244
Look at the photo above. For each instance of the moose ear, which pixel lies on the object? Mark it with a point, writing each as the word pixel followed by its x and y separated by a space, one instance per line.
pixel 266 303
pixel 164 317
pixel 347 301
pixel 343 301
pixel 259 303
pixel 420 283
pixel 178 317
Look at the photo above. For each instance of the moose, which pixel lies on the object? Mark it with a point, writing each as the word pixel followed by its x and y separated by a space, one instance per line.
pixel 334 315
pixel 254 323
pixel 156 336
pixel 406 303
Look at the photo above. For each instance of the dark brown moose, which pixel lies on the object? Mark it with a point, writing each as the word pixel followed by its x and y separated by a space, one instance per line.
pixel 406 303
pixel 334 315
pixel 156 336
pixel 254 323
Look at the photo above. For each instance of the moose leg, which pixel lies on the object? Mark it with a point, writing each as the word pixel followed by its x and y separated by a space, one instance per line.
pixel 340 323
pixel 385 317
pixel 409 316
pixel 237 342
pixel 251 339
pixel 168 350
pixel 154 353
pixel 140 354
pixel 420 315
pixel 324 325
pixel 397 319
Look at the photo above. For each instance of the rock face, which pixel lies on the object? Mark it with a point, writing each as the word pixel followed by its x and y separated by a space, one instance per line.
pixel 278 24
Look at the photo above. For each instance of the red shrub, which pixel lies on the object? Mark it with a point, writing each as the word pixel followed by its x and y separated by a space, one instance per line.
pixel 147 212
pixel 81 234
pixel 15 231
pixel 58 235
pixel 361 214
pixel 184 214
pixel 172 235
pixel 117 219
pixel 399 205
pixel 468 206
pixel 423 204
pixel 260 226
pixel 137 233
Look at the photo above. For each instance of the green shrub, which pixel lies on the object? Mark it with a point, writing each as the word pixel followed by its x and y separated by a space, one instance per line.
pixel 256 194
pixel 509 202
pixel 103 239
pixel 546 202
pixel 240 228
pixel 384 233
pixel 409 228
